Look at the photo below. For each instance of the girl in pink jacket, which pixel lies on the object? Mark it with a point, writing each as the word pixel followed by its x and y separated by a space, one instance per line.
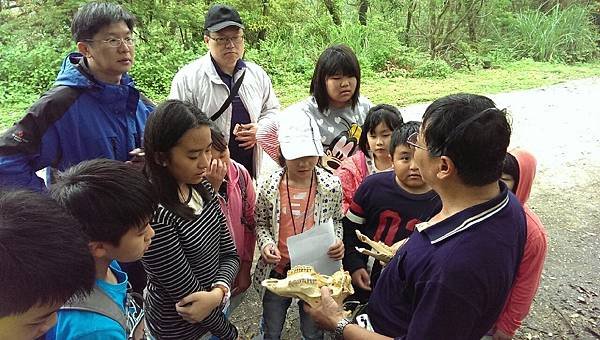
pixel 518 174
pixel 238 199
pixel 374 154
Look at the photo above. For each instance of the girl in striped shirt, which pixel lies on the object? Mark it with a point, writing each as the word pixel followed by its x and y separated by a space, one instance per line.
pixel 192 261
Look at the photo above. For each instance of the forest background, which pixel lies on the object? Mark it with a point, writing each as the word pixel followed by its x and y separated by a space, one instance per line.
pixel 409 50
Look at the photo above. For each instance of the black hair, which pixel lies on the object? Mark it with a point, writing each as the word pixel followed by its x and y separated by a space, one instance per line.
pixel 470 130
pixel 401 134
pixel 171 120
pixel 44 255
pixel 107 197
pixel 511 167
pixel 335 60
pixel 218 139
pixel 92 17
pixel 281 159
pixel 382 113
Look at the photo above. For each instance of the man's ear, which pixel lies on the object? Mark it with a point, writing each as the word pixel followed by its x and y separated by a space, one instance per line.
pixel 206 39
pixel 84 48
pixel 97 249
pixel 446 168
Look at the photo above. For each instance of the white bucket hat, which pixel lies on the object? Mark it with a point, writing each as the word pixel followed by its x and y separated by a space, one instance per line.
pixel 299 135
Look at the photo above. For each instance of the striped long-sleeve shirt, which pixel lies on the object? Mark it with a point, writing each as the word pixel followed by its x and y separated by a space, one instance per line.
pixel 188 256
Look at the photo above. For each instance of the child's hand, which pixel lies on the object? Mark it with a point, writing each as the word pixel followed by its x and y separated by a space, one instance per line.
pixel 197 306
pixel 336 251
pixel 215 173
pixel 271 254
pixel 243 279
pixel 361 279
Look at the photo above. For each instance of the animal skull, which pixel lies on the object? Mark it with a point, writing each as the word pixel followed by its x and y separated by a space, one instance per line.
pixel 379 250
pixel 305 283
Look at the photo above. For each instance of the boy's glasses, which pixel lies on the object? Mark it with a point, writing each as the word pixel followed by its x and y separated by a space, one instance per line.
pixel 223 41
pixel 412 141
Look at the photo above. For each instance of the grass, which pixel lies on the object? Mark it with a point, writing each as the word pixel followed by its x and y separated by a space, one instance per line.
pixel 525 74
pixel 520 75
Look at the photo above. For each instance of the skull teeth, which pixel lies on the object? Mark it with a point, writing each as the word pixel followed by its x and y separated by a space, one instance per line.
pixel 304 283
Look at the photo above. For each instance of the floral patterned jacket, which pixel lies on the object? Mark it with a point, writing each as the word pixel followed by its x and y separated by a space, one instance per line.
pixel 328 204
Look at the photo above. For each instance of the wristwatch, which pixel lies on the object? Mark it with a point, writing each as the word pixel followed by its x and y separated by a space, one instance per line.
pixel 226 292
pixel 338 334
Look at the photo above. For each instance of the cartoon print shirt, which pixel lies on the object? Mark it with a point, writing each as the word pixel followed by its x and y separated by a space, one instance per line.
pixel 340 129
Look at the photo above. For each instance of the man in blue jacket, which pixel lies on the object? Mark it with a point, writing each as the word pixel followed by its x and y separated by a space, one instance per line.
pixel 93 110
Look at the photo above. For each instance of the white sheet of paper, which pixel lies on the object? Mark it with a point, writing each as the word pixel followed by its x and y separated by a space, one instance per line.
pixel 310 248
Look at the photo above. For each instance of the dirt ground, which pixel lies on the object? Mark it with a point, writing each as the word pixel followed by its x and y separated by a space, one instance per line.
pixel 560 125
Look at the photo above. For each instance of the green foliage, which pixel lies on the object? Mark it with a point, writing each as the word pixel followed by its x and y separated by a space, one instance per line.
pixel 435 68
pixel 156 63
pixel 374 48
pixel 564 35
pixel 441 39
pixel 30 66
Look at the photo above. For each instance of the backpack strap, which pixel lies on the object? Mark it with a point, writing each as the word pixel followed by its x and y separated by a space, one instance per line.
pixel 99 302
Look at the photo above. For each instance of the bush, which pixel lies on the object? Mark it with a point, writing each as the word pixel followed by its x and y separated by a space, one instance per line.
pixel 157 62
pixel 563 35
pixel 436 68
pixel 32 67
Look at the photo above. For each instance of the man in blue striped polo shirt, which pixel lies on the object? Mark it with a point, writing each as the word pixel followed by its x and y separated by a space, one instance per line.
pixel 451 279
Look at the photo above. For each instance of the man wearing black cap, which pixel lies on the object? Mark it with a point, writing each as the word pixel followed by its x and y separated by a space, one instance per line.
pixel 208 82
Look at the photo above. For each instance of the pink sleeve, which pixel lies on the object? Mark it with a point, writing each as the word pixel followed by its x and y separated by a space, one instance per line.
pixel 351 175
pixel 527 281
pixel 266 137
pixel 348 187
pixel 250 227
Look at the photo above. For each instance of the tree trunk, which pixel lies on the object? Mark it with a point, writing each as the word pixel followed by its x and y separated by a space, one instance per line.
pixel 335 16
pixel 412 6
pixel 363 6
pixel 473 22
pixel 262 33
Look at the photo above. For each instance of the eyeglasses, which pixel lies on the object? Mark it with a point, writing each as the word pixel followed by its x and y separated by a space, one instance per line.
pixel 412 141
pixel 116 42
pixel 224 41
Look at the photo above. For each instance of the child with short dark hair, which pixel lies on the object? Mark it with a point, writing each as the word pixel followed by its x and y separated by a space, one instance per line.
pixel 386 208
pixel 45 261
pixel 374 154
pixel 192 261
pixel 113 203
pixel 518 173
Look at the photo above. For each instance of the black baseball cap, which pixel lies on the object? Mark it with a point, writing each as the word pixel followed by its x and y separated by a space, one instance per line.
pixel 221 16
